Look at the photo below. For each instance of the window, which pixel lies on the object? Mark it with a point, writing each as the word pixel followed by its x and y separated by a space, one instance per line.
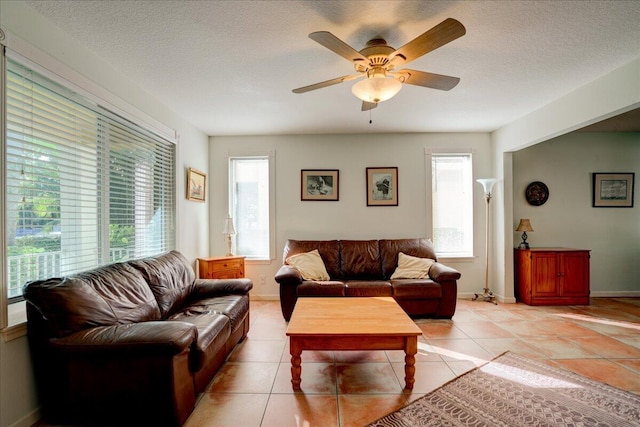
pixel 250 205
pixel 84 186
pixel 452 204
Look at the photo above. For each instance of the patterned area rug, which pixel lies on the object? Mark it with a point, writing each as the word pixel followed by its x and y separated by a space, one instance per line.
pixel 514 391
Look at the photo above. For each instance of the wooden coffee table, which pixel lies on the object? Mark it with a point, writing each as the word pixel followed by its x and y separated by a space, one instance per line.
pixel 351 323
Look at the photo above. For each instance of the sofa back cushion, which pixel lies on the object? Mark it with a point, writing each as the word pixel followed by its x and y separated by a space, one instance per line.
pixel 389 249
pixel 360 259
pixel 171 279
pixel 329 252
pixel 109 295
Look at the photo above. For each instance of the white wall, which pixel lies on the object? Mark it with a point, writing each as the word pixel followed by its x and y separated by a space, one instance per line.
pixel 567 219
pixel 27 29
pixel 611 94
pixel 350 217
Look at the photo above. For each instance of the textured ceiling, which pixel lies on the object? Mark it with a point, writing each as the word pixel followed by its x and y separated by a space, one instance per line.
pixel 228 67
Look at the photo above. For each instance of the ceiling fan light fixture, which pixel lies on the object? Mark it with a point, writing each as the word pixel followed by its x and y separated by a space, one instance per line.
pixel 376 89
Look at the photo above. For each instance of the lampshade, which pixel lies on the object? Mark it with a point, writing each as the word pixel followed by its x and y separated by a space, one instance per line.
pixel 376 89
pixel 525 225
pixel 228 226
pixel 487 184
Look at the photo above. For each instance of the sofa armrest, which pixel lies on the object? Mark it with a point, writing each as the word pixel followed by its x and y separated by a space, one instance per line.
pixel 137 374
pixel 156 338
pixel 288 275
pixel 213 287
pixel 442 273
pixel 289 278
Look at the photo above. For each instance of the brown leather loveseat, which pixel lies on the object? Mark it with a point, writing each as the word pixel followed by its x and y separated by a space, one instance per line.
pixel 365 268
pixel 131 343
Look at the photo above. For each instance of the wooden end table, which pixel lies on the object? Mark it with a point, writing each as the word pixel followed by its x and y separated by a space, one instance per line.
pixel 351 323
pixel 226 267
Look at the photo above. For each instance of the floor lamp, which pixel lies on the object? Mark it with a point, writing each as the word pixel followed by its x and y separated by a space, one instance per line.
pixel 487 295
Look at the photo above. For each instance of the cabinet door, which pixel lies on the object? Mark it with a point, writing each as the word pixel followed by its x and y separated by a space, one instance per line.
pixel 574 274
pixel 544 272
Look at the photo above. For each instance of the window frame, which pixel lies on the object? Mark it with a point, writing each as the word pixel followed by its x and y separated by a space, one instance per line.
pixel 253 154
pixel 429 154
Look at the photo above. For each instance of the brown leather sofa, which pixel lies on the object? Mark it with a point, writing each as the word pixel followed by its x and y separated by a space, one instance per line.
pixel 363 268
pixel 132 343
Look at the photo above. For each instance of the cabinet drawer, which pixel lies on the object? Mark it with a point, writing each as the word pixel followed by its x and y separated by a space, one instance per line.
pixel 231 264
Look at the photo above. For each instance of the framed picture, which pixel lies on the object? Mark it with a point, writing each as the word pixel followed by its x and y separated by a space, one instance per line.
pixel 382 186
pixel 613 190
pixel 196 185
pixel 319 184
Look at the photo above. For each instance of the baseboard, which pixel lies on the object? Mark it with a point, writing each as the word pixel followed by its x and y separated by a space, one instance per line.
pixel 615 294
pixel 264 297
pixel 499 298
pixel 28 420
pixel 467 295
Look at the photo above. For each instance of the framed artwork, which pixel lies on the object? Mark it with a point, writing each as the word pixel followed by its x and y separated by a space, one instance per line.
pixel 613 190
pixel 382 186
pixel 319 184
pixel 196 185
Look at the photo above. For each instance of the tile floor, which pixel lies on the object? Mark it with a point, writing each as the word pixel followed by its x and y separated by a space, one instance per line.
pixel 253 388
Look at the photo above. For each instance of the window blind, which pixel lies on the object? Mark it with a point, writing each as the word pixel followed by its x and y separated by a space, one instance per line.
pixel 84 186
pixel 452 204
pixel 250 205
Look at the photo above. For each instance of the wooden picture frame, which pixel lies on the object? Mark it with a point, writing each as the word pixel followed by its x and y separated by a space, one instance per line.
pixel 320 185
pixel 382 186
pixel 613 189
pixel 196 185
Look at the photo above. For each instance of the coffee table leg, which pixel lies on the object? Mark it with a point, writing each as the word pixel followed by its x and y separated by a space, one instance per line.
pixel 296 368
pixel 410 350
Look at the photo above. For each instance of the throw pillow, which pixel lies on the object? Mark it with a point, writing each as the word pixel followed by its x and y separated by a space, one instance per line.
pixel 410 267
pixel 310 265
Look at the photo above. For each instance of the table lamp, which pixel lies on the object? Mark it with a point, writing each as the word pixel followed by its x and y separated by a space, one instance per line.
pixel 524 226
pixel 229 230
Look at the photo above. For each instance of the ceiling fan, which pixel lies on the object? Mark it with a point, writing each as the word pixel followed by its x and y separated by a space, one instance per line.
pixel 378 62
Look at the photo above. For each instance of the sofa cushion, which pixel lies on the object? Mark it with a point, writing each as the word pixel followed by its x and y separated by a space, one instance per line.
pixel 368 288
pixel 410 267
pixel 213 331
pixel 416 289
pixel 360 259
pixel 321 289
pixel 389 250
pixel 310 265
pixel 112 295
pixel 235 307
pixel 170 277
pixel 329 251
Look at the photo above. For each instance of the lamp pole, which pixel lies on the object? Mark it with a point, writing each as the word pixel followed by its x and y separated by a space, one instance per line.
pixel 487 292
pixel 487 295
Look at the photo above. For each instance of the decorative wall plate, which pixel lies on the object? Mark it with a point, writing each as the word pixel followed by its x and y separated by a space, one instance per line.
pixel 537 193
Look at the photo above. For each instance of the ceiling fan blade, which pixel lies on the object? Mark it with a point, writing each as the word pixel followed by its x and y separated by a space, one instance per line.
pixel 333 43
pixel 430 80
pixel 326 83
pixel 366 106
pixel 443 33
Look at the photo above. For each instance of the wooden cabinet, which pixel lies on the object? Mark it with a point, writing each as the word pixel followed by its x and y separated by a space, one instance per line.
pixel 229 267
pixel 552 276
